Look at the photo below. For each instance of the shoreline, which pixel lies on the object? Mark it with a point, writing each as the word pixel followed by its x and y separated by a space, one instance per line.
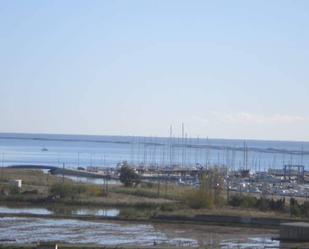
pixel 211 220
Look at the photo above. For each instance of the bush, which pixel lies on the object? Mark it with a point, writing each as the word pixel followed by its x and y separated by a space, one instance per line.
pixel 30 192
pixel 13 190
pixel 209 193
pixel 136 213
pixel 199 198
pixel 9 189
pixel 262 204
pixel 295 208
pixel 243 201
pixel 278 205
pixel 167 207
pixel 95 191
pixel 299 210
pixel 148 185
pixel 128 176
pixel 306 209
pixel 66 190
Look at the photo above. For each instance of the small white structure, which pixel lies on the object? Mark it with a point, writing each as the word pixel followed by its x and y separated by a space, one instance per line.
pixel 17 183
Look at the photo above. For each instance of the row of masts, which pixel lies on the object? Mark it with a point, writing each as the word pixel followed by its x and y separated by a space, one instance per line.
pixel 179 151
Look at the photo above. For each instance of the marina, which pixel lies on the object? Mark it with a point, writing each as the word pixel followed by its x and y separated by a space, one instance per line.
pixel 173 159
pixel 274 183
pixel 154 124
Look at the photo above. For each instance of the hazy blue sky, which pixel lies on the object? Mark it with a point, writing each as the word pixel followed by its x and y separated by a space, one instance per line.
pixel 231 69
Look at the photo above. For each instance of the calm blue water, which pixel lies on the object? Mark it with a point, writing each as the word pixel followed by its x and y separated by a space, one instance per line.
pixel 107 151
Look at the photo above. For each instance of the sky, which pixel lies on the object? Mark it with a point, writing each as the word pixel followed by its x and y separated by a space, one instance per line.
pixel 226 69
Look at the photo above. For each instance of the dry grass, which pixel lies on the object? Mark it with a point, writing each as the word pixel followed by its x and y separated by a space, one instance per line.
pixel 145 195
pixel 164 191
pixel 30 177
pixel 93 194
pixel 228 211
pixel 122 200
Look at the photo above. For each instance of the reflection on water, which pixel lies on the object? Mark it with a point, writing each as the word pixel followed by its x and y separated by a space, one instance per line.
pixel 60 211
pixel 10 210
pixel 89 180
pixel 250 243
pixel 226 237
pixel 97 212
pixel 29 230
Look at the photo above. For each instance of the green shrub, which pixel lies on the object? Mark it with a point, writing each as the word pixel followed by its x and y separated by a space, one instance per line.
pixel 30 192
pixel 145 193
pixel 199 198
pixel 136 213
pixel 209 193
pixel 8 189
pixel 13 189
pixel 95 191
pixel 295 208
pixel 262 204
pixel 299 210
pixel 128 176
pixel 168 207
pixel 306 209
pixel 66 190
pixel 147 185
pixel 243 201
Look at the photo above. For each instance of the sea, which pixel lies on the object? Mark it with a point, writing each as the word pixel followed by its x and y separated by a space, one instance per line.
pixel 108 151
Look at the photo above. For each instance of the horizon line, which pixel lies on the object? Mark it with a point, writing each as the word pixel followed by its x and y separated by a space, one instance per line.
pixel 154 136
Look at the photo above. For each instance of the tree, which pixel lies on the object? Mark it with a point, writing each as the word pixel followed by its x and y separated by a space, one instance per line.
pixel 209 193
pixel 128 176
